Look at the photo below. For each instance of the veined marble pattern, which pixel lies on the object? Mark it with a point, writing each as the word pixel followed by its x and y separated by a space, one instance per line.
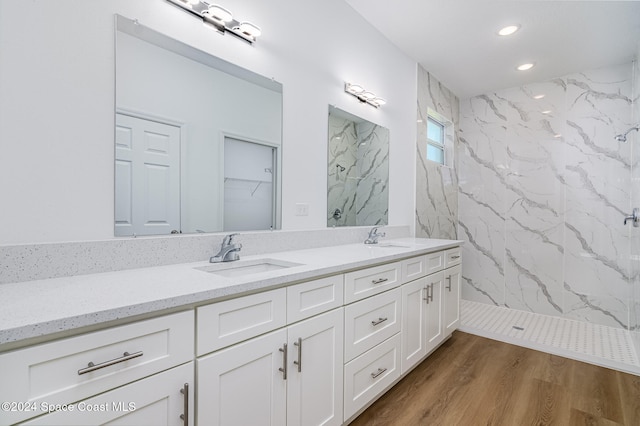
pixel 358 173
pixel 436 185
pixel 372 192
pixel 543 190
pixel 342 172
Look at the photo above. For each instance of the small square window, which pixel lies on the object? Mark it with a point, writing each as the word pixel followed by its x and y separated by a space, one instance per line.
pixel 435 140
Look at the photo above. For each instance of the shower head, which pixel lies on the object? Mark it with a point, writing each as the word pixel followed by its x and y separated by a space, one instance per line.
pixel 623 136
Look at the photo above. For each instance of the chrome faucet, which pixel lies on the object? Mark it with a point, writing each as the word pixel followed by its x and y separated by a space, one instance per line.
pixel 373 236
pixel 228 252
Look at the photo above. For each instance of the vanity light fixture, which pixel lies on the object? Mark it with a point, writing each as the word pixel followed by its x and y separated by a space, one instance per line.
pixel 220 18
pixel 364 96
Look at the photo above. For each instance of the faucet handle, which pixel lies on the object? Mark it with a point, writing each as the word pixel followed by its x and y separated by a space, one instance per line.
pixel 228 239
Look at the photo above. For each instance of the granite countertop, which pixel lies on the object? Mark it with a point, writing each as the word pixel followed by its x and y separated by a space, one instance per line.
pixel 39 308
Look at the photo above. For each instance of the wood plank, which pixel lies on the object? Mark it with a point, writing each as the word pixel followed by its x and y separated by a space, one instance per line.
pixel 471 380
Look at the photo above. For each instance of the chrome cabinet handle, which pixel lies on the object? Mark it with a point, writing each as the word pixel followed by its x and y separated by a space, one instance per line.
pixel 283 349
pixel 426 297
pixel 185 391
pixel 299 361
pixel 455 257
pixel 377 373
pixel 93 367
pixel 380 321
pixel 379 281
pixel 449 286
pixel 429 297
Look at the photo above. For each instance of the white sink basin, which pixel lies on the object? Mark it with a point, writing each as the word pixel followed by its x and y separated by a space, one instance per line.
pixel 246 267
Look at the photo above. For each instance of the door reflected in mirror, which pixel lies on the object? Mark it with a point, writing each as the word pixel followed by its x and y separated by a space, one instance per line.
pixel 358 171
pixel 198 139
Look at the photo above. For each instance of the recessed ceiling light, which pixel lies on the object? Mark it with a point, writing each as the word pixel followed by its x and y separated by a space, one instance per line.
pixel 538 97
pixel 547 111
pixel 509 30
pixel 525 67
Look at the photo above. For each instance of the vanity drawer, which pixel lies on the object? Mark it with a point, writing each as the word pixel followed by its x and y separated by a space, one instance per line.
pixel 370 281
pixel 314 297
pixel 370 322
pixel 225 323
pixel 59 372
pixel 452 257
pixel 371 373
pixel 421 266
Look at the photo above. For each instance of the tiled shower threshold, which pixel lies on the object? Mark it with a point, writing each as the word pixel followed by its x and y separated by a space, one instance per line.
pixel 596 344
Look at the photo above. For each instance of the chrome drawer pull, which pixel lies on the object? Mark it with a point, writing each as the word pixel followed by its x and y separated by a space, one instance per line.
pixel 284 361
pixel 299 361
pixel 380 321
pixel 455 257
pixel 379 372
pixel 185 391
pixel 379 281
pixel 93 367
pixel 449 286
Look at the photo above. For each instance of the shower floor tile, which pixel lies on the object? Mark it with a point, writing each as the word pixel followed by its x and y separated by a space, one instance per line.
pixel 597 344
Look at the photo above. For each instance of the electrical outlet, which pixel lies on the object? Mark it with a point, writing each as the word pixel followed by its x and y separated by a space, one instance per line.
pixel 302 209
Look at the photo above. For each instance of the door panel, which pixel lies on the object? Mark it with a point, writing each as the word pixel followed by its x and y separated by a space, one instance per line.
pixel 147 176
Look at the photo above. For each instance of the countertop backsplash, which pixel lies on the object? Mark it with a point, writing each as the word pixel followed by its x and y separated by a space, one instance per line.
pixel 27 262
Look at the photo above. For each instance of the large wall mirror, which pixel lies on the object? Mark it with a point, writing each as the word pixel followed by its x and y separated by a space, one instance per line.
pixel 358 171
pixel 198 140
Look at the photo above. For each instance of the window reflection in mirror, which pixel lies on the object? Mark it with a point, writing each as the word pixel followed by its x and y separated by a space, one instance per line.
pixel 358 171
pixel 178 111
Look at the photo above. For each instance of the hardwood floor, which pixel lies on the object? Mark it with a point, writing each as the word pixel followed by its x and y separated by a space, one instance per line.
pixel 471 380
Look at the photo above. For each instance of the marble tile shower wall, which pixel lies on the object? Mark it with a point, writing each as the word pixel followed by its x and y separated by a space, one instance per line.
pixel 543 190
pixel 343 155
pixel 436 186
pixel 358 172
pixel 372 193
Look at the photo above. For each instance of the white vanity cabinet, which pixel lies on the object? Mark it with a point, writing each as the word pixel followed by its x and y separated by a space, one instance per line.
pixel 422 319
pixel 68 373
pixel 431 307
pixel 291 376
pixel 451 299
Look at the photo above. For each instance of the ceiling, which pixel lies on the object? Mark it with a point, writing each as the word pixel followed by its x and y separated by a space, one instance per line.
pixel 457 40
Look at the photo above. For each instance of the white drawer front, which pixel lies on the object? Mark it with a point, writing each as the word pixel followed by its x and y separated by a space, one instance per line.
pixel 452 257
pixel 369 374
pixel 156 400
pixel 314 297
pixel 370 281
pixel 435 262
pixel 225 323
pixel 50 373
pixel 414 268
pixel 371 321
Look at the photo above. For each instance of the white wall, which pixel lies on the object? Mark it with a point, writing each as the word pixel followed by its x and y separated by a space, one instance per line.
pixel 57 102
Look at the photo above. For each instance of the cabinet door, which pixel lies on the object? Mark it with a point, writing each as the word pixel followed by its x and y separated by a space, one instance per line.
pixel 242 385
pixel 414 334
pixel 434 323
pixel 451 297
pixel 157 400
pixel 315 371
